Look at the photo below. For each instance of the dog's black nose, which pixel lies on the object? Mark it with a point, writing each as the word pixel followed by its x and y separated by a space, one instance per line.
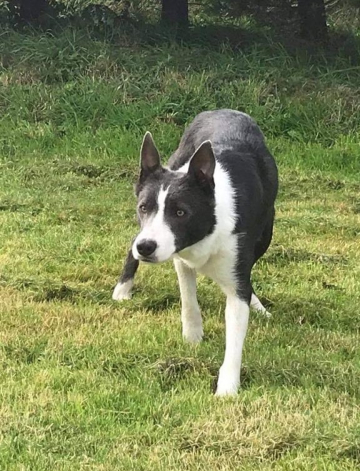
pixel 146 247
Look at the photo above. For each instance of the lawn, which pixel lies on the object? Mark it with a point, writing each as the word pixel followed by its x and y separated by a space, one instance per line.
pixel 90 384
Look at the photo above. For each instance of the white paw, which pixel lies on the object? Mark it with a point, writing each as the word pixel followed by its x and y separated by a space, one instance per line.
pixel 223 390
pixel 264 312
pixel 123 290
pixel 256 304
pixel 193 334
pixel 228 383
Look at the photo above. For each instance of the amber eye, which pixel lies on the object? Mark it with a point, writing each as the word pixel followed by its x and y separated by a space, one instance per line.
pixel 180 213
pixel 142 208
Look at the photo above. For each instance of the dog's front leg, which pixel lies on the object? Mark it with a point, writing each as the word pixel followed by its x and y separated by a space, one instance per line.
pixel 126 281
pixel 190 312
pixel 236 317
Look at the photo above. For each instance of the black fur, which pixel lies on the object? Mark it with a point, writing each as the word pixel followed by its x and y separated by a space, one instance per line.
pixel 192 193
pixel 240 148
pixel 130 267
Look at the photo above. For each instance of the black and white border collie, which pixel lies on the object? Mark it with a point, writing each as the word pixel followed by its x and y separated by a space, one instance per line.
pixel 211 210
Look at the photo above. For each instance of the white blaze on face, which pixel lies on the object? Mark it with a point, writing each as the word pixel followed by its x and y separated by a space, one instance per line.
pixel 156 229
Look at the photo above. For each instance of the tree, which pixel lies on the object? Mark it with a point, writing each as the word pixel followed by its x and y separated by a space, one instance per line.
pixel 28 11
pixel 312 19
pixel 175 12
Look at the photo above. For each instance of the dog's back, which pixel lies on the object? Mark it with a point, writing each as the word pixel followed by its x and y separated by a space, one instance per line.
pixel 224 128
pixel 239 147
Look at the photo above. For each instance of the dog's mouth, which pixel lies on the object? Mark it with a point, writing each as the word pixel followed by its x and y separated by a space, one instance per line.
pixel 148 259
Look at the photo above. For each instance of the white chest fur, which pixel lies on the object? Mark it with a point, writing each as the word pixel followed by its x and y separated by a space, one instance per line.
pixel 215 255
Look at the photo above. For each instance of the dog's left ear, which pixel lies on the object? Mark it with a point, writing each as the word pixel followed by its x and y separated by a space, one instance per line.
pixel 202 165
pixel 149 156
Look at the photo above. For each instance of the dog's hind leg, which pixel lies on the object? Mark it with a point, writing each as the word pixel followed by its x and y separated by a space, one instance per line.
pixel 260 248
pixel 191 320
pixel 256 304
pixel 263 243
pixel 126 281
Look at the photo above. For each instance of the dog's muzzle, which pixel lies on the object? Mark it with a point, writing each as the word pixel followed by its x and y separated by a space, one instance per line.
pixel 146 250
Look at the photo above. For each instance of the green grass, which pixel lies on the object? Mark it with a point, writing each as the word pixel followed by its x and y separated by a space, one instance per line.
pixel 87 383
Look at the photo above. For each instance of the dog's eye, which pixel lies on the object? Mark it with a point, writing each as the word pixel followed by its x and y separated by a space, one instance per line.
pixel 142 208
pixel 180 213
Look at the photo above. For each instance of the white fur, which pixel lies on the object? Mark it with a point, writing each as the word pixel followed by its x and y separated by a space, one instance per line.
pixel 237 317
pixel 221 242
pixel 123 290
pixel 215 256
pixel 156 229
pixel 190 311
pixel 255 303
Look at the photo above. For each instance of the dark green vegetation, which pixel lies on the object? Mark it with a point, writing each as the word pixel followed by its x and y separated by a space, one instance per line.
pixel 306 18
pixel 86 383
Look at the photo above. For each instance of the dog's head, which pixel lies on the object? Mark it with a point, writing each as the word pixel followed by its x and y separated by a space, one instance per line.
pixel 175 209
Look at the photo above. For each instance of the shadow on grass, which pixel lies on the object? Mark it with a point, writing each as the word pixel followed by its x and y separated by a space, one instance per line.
pixel 276 24
pixel 260 32
pixel 170 371
pixel 296 374
pixel 351 453
pixel 330 312
pixel 302 375
pixel 320 312
pixel 281 256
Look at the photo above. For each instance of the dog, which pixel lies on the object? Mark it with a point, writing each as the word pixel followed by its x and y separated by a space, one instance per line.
pixel 211 210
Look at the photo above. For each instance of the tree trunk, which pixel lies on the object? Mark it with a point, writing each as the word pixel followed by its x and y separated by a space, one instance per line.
pixel 312 19
pixel 30 10
pixel 175 12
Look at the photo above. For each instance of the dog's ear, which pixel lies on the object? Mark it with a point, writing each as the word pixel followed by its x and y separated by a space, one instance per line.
pixel 149 156
pixel 202 165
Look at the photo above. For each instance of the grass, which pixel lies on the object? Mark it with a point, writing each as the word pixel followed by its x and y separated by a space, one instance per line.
pixel 87 383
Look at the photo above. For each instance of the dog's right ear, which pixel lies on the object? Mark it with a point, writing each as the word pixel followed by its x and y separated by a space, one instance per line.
pixel 149 156
pixel 202 165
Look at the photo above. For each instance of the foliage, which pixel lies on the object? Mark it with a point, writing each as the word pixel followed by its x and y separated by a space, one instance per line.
pixel 280 14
